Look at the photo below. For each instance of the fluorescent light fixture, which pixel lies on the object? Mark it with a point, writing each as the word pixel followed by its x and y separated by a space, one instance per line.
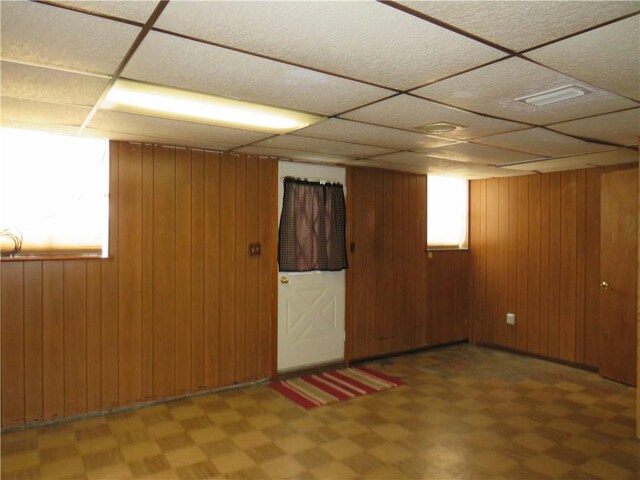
pixel 143 98
pixel 554 96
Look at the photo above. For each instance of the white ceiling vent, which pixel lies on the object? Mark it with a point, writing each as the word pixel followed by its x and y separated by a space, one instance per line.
pixel 554 96
pixel 439 127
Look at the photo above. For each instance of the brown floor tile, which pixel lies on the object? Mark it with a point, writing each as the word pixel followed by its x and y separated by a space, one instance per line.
pixel 198 471
pixel 465 413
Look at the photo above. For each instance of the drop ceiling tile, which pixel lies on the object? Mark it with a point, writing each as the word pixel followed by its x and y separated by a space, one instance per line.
pixel 401 51
pixel 42 34
pixel 29 111
pixel 539 141
pixel 293 154
pixel 163 140
pixel 494 89
pixel 318 145
pixel 42 127
pixel 436 166
pixel 522 25
pixel 49 85
pixel 476 153
pixel 612 157
pixel 396 167
pixel 622 128
pixel 138 11
pixel 196 134
pixel 608 57
pixel 405 111
pixel 169 60
pixel 365 134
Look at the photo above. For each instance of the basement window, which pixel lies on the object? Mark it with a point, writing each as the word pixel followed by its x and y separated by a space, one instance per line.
pixel 55 195
pixel 447 212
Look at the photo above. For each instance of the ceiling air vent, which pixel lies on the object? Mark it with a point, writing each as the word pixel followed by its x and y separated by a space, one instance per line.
pixel 439 127
pixel 554 96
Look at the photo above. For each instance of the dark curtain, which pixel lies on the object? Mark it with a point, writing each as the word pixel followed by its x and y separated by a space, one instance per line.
pixel 312 227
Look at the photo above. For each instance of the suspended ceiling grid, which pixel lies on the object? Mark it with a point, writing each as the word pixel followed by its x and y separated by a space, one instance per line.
pixel 377 70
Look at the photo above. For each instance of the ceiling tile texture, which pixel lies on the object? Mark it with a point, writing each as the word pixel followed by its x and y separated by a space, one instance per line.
pixel 378 72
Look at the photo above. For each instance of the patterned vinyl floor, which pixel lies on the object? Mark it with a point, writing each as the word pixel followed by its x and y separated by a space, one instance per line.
pixel 466 412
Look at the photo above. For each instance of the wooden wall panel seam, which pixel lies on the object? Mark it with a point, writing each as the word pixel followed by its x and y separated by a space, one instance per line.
pixel 390 237
pixel 558 258
pixel 85 307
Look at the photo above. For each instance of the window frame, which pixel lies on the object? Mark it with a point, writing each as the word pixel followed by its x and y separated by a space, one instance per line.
pixel 69 254
pixel 449 248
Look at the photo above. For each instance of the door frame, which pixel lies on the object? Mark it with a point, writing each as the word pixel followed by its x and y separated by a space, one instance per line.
pixel 274 267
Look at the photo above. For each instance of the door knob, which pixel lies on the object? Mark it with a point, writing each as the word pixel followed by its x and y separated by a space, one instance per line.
pixel 284 280
pixel 606 285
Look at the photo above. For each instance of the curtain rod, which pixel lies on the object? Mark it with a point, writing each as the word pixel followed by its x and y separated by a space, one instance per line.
pixel 313 179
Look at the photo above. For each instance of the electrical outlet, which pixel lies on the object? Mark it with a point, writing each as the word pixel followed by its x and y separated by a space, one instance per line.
pixel 511 318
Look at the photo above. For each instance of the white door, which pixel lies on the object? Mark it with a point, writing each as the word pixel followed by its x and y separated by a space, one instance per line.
pixel 310 304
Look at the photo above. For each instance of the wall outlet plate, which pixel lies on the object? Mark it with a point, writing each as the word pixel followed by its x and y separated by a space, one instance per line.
pixel 511 318
pixel 254 249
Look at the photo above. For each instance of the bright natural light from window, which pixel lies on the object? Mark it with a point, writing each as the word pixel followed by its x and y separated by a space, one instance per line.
pixel 55 193
pixel 447 212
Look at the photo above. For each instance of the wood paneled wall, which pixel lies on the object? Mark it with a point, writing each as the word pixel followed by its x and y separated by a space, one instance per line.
pixel 398 299
pixel 178 307
pixel 535 252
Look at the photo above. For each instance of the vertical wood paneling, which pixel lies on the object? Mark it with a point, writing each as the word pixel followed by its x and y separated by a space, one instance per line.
pixel 568 271
pixel 492 317
pixel 391 281
pixel 32 341
pixel 394 325
pixel 94 335
pixel 545 245
pixel 211 268
pixel 240 267
pixel 13 411
pixel 227 268
pixel 483 256
pixel 359 336
pixel 364 271
pixel 505 267
pixel 197 270
pixel 533 267
pixel 522 245
pixel 182 340
pixel 164 231
pixel 592 274
pixel 476 273
pixel 555 245
pixel 556 251
pixel 147 272
pixel 52 339
pixel 381 267
pixel 268 180
pixel 385 329
pixel 75 337
pixel 512 253
pixel 130 272
pixel 109 284
pixel 85 335
pixel 252 268
pixel 411 293
pixel 423 301
pixel 581 266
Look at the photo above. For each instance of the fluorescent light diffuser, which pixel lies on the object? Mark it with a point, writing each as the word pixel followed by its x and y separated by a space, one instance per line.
pixel 554 96
pixel 142 98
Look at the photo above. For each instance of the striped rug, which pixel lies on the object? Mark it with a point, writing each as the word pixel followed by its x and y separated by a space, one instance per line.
pixel 314 391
